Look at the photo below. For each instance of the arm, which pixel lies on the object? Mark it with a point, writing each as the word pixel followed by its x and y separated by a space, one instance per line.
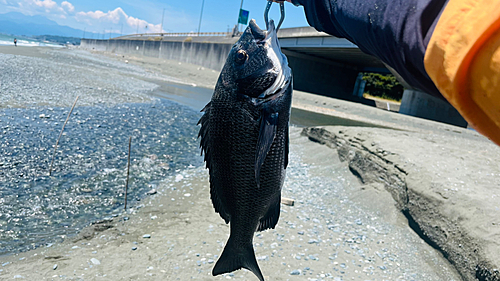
pixel 394 31
pixel 453 46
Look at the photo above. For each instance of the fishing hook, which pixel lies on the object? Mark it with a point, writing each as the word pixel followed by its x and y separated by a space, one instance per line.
pixel 266 14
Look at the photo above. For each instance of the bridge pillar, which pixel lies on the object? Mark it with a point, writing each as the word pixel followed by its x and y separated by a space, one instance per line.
pixel 359 87
pixel 420 104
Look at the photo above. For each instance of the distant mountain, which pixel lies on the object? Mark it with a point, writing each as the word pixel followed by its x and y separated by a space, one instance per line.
pixel 19 24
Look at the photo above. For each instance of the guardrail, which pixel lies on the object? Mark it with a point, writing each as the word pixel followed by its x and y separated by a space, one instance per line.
pixel 192 34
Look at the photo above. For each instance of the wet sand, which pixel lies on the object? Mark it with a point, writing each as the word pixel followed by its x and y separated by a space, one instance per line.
pixel 339 229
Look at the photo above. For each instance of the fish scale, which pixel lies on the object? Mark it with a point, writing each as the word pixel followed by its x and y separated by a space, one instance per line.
pixel 244 136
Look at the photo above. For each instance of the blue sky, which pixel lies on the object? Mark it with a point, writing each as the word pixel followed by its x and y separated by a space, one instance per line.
pixel 180 15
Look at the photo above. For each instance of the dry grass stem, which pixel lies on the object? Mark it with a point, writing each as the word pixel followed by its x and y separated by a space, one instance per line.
pixel 60 134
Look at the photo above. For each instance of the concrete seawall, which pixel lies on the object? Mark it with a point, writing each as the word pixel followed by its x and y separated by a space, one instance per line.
pixel 207 54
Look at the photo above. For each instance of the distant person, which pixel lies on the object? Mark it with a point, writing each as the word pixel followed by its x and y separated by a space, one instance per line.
pixel 447 48
pixel 15 42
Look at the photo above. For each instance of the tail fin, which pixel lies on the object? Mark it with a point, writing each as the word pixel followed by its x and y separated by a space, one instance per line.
pixel 234 258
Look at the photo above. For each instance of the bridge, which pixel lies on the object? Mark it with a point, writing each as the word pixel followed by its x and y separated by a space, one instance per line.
pixel 321 63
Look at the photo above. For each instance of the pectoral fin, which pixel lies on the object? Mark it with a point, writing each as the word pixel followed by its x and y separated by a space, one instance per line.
pixel 268 124
pixel 287 145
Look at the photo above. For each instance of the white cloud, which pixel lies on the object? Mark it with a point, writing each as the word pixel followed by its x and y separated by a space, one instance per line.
pixel 116 16
pixel 68 6
pixel 48 4
pixel 111 16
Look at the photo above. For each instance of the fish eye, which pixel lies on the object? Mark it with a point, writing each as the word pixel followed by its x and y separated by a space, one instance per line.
pixel 241 56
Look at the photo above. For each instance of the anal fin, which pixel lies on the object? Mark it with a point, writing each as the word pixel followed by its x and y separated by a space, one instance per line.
pixel 272 216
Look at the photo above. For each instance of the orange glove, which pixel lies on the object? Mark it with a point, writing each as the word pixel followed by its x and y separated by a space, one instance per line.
pixel 463 60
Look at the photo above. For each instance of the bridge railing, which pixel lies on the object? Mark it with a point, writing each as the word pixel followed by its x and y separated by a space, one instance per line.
pixel 191 34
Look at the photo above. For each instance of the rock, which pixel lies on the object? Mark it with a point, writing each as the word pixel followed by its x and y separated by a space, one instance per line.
pixel 296 272
pixel 146 236
pixel 54 267
pixel 95 261
pixel 151 192
pixel 179 177
pixel 263 258
pixel 134 248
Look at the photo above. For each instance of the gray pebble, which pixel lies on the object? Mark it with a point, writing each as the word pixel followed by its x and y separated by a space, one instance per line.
pixel 146 236
pixel 134 248
pixel 54 267
pixel 296 272
pixel 313 257
pixel 95 261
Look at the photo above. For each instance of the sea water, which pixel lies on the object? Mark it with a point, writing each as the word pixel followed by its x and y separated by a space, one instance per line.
pixel 89 171
pixel 8 40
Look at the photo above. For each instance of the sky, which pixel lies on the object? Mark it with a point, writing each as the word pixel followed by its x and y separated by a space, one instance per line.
pixel 130 16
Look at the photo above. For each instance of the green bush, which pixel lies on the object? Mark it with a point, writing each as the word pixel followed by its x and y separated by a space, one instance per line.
pixel 384 86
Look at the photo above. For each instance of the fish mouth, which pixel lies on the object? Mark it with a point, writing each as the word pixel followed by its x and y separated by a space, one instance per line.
pixel 257 33
pixel 269 39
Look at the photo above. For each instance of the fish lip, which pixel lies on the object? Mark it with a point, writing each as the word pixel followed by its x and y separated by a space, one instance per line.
pixel 258 34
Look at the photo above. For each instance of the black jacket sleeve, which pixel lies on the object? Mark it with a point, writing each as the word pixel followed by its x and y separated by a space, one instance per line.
pixel 395 31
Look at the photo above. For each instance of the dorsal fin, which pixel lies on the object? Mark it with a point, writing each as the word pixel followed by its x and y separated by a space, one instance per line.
pixel 204 134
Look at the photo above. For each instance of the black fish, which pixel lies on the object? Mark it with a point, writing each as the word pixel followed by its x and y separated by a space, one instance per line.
pixel 244 135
